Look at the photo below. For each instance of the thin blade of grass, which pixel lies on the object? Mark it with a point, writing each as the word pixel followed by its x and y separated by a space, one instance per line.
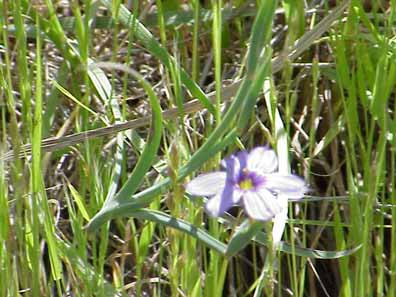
pixel 146 158
pixel 307 252
pixel 242 237
pixel 181 225
pixel 151 44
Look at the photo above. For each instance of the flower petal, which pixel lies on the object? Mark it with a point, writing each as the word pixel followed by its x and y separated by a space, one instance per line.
pixel 208 184
pixel 221 202
pixel 234 165
pixel 261 205
pixel 242 157
pixel 262 160
pixel 291 185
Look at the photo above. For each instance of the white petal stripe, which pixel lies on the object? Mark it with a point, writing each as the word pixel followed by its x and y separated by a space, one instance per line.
pixel 213 206
pixel 261 206
pixel 207 184
pixel 262 160
pixel 291 185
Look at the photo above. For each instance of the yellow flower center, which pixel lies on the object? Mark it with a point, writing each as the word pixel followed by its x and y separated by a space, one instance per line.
pixel 246 184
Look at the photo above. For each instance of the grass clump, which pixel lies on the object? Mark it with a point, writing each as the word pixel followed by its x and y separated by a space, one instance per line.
pixel 108 109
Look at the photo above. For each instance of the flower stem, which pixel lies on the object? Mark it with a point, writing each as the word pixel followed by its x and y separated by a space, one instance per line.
pixel 266 280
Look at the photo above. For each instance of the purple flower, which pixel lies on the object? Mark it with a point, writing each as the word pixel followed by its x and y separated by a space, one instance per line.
pixel 250 180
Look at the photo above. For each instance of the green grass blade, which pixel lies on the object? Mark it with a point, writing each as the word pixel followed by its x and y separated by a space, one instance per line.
pixel 147 156
pixel 306 252
pixel 24 80
pixel 261 34
pixel 53 30
pixel 154 47
pixel 54 99
pixel 255 86
pixel 145 197
pixel 242 237
pixel 165 219
pixel 105 91
pixel 150 150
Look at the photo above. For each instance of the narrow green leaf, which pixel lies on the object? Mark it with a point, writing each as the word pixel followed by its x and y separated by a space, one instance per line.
pixel 142 199
pixel 261 34
pixel 105 91
pixel 71 97
pixel 70 256
pixel 80 205
pixel 53 30
pixel 378 105
pixel 255 86
pixel 154 47
pixel 331 133
pixel 146 158
pixel 40 207
pixel 54 98
pixel 181 225
pixel 307 252
pixel 242 237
